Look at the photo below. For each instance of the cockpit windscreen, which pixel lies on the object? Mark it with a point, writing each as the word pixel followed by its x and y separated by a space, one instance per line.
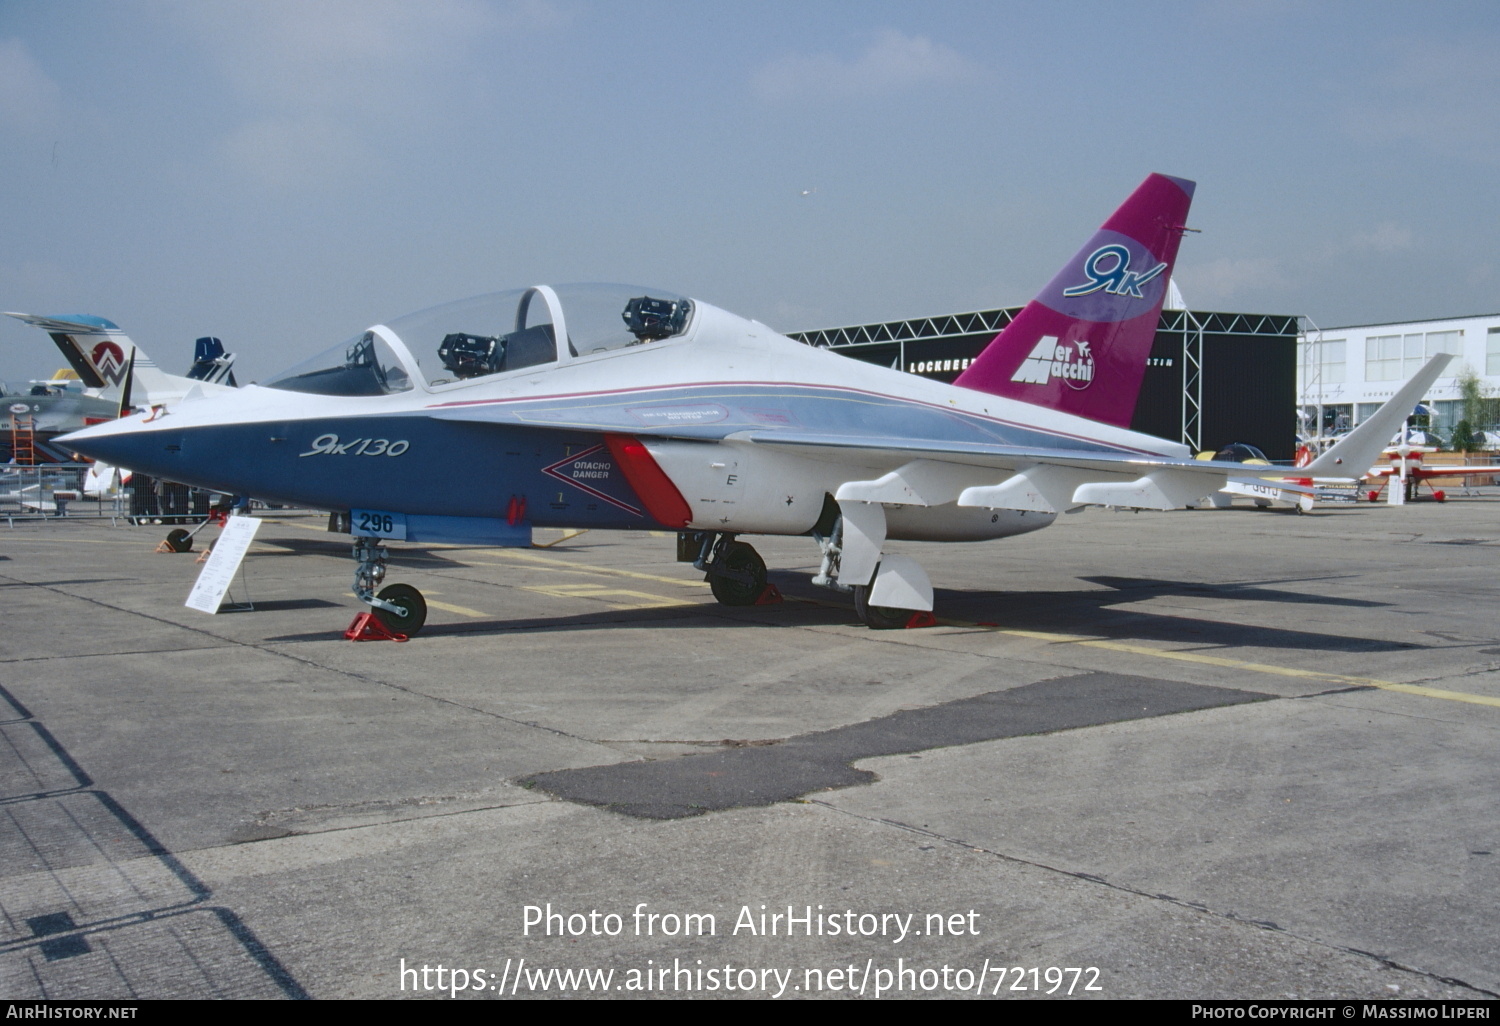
pixel 492 334
pixel 362 366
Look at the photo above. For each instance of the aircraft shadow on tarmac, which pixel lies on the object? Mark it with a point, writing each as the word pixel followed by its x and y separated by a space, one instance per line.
pixel 1090 612
pixel 337 546
pixel 58 584
pixel 1255 591
pixel 275 605
pixel 94 904
pixel 1086 611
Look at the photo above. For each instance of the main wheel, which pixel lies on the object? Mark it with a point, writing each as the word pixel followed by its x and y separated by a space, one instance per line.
pixel 878 618
pixel 408 598
pixel 179 541
pixel 730 591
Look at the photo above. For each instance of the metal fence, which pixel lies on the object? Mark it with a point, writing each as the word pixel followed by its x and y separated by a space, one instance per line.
pixel 57 490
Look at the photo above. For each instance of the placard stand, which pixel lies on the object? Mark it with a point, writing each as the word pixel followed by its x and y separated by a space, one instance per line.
pixel 223 563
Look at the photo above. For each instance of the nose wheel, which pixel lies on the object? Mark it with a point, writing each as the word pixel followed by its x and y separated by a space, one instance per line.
pixel 398 607
pixel 405 610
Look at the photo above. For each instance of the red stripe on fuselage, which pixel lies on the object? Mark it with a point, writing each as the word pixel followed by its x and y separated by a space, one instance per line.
pixel 655 489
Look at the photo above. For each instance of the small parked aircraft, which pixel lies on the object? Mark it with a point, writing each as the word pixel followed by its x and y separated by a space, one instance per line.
pixel 1404 471
pixel 608 406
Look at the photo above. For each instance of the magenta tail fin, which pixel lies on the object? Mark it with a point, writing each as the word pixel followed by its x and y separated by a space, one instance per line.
pixel 1081 345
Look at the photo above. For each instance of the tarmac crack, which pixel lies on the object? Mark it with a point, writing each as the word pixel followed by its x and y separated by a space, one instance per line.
pixel 1092 878
pixel 263 829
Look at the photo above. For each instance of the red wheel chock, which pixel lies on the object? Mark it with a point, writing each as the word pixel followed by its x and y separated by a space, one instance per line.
pixel 921 619
pixel 367 627
pixel 769 596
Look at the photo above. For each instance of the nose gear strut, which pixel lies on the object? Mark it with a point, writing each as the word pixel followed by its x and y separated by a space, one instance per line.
pixel 399 607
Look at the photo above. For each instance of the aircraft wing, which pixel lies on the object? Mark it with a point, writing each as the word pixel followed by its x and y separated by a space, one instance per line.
pixel 942 459
pixel 1424 473
pixel 929 473
pixel 1363 446
pixel 994 456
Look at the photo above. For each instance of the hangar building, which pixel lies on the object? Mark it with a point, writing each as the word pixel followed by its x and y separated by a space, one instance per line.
pixel 1212 378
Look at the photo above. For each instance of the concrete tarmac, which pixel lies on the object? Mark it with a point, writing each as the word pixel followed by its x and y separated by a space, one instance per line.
pixel 1203 754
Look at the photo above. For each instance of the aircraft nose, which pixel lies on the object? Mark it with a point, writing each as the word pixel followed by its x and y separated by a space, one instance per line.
pixel 130 443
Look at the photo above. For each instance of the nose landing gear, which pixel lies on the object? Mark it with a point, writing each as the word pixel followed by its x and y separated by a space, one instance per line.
pixel 399 607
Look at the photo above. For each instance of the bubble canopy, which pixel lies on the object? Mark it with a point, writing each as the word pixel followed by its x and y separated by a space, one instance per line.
pixel 493 334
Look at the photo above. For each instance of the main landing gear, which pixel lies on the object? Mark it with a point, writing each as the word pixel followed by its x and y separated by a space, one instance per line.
pixel 880 618
pixel 399 608
pixel 734 570
pixel 850 537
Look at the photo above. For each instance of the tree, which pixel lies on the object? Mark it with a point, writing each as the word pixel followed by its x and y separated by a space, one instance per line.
pixel 1477 402
pixel 1463 438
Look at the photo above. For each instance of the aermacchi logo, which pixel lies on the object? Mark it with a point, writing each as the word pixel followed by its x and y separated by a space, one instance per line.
pixel 1108 270
pixel 109 360
pixel 1073 362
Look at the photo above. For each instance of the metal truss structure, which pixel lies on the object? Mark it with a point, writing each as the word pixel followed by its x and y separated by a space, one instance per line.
pixel 906 344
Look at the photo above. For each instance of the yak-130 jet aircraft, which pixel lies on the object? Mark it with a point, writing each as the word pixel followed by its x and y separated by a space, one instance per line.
pixel 608 406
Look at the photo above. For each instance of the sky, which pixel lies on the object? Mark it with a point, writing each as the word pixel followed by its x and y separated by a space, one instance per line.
pixel 284 174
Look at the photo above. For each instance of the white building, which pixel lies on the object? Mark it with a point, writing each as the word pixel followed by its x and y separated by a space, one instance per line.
pixel 1349 372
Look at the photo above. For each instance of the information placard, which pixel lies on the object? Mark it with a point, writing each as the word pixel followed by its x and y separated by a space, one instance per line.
pixel 208 594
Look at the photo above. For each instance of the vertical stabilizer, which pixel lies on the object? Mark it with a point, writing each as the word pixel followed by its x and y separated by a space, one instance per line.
pixel 1081 345
pixel 102 354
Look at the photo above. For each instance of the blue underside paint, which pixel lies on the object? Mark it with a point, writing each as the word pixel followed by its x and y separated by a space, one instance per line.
pixel 445 469
pixel 468 531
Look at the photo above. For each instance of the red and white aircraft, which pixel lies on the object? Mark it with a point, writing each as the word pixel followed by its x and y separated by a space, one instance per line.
pixel 1401 477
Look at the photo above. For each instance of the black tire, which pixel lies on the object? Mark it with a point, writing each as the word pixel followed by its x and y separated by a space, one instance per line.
pixel 878 618
pixel 742 559
pixel 411 600
pixel 179 541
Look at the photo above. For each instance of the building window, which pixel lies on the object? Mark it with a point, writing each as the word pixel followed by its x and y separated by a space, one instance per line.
pixel 1383 358
pixel 1445 342
pixel 1492 352
pixel 1331 360
pixel 1398 357
pixel 1446 414
pixel 1323 359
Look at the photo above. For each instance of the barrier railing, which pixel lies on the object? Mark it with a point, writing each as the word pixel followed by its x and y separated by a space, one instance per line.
pixel 58 491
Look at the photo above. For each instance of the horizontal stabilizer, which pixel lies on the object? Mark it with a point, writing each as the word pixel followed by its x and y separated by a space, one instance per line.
pixel 1354 454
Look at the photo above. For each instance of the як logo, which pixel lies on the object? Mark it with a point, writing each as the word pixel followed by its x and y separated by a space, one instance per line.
pixel 1073 362
pixel 1118 280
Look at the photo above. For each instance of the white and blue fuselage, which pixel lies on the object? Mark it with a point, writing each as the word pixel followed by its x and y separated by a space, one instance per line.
pixel 750 428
